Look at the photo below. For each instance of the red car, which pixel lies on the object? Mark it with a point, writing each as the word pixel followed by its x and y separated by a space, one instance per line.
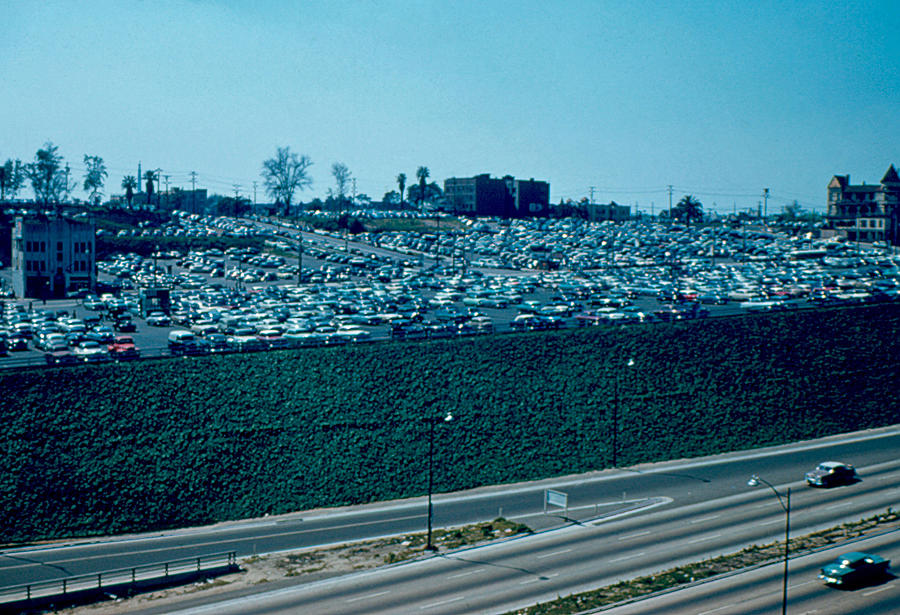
pixel 123 348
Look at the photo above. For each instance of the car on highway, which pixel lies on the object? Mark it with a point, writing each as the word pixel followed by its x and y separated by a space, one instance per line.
pixel 855 569
pixel 830 474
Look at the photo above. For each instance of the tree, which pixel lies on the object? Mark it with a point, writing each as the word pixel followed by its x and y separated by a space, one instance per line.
pixel 422 173
pixel 149 177
pixel 94 176
pixel 49 179
pixel 401 183
pixel 689 208
pixel 284 174
pixel 129 184
pixel 12 176
pixel 234 207
pixel 341 180
pixel 431 194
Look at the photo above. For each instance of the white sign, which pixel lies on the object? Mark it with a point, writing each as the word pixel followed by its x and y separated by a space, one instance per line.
pixel 556 498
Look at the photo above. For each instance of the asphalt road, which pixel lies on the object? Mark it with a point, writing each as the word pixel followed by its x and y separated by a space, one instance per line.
pixel 693 509
pixel 759 590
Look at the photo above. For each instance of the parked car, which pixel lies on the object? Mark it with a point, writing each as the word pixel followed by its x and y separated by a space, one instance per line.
pixel 123 348
pixel 90 351
pixel 854 569
pixel 831 473
pixel 158 319
pixel 60 357
pixel 124 325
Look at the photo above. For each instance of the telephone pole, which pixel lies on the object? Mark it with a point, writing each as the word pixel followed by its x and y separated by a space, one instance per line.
pixel 592 195
pixel 237 190
pixel 766 205
pixel 670 203
pixel 254 193
pixel 193 192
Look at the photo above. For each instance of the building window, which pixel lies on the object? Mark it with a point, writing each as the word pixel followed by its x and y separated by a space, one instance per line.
pixel 43 265
pixel 59 246
pixel 59 256
pixel 43 247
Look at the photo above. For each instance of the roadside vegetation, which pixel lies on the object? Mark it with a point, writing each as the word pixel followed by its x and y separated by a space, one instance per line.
pixel 107 449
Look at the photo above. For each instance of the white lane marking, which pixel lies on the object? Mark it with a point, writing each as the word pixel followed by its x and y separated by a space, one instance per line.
pixel 773 522
pixel 705 538
pixel 463 574
pixel 802 584
pixel 368 597
pixel 630 536
pixel 623 558
pixel 541 578
pixel 721 608
pixel 841 505
pixel 710 518
pixel 875 591
pixel 545 555
pixel 441 603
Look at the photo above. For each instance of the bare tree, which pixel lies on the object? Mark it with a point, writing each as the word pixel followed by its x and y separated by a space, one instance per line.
pixel 341 180
pixel 284 174
pixel 49 179
pixel 94 176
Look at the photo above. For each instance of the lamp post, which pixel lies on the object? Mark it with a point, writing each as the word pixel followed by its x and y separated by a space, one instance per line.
pixel 786 505
pixel 615 428
pixel 431 423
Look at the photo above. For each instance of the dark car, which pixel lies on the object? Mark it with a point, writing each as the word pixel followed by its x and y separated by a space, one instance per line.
pixel 831 473
pixel 60 357
pixel 124 325
pixel 854 569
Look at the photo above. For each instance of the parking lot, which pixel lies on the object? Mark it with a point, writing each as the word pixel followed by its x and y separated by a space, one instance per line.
pixel 314 288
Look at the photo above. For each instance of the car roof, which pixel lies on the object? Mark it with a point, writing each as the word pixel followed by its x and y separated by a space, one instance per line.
pixel 832 464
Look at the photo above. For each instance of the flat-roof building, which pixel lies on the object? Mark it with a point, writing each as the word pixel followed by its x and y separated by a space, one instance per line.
pixel 52 255
pixel 504 197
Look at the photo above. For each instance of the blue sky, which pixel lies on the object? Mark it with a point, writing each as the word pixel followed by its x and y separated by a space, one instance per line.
pixel 720 99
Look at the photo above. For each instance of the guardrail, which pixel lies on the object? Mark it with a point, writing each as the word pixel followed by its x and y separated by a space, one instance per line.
pixel 74 588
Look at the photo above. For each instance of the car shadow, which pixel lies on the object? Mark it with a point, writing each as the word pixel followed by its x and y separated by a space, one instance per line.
pixel 873 582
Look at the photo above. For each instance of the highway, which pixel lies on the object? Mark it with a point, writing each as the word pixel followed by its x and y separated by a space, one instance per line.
pixel 691 509
pixel 759 590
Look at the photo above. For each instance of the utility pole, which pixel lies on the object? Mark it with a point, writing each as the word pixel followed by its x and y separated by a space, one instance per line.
pixel 168 201
pixel 299 258
pixel 670 204
pixel 237 190
pixel 592 195
pixel 766 206
pixel 158 199
pixel 193 192
pixel 254 193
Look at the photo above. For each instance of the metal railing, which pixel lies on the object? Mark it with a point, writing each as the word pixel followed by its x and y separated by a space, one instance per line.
pixel 145 574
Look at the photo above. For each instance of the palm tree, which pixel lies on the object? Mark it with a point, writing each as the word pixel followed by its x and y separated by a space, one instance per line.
pixel 129 184
pixel 689 208
pixel 401 183
pixel 422 173
pixel 149 177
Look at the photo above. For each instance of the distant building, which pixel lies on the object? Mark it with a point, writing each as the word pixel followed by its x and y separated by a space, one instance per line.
pixel 593 212
pixel 505 197
pixel 52 255
pixel 866 212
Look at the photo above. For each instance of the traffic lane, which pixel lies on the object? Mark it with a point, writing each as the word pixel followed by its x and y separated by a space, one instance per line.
pixel 497 577
pixel 521 502
pixel 759 590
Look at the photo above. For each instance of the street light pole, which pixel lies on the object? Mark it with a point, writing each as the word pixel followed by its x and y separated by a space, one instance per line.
pixel 615 429
pixel 431 421
pixel 786 506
